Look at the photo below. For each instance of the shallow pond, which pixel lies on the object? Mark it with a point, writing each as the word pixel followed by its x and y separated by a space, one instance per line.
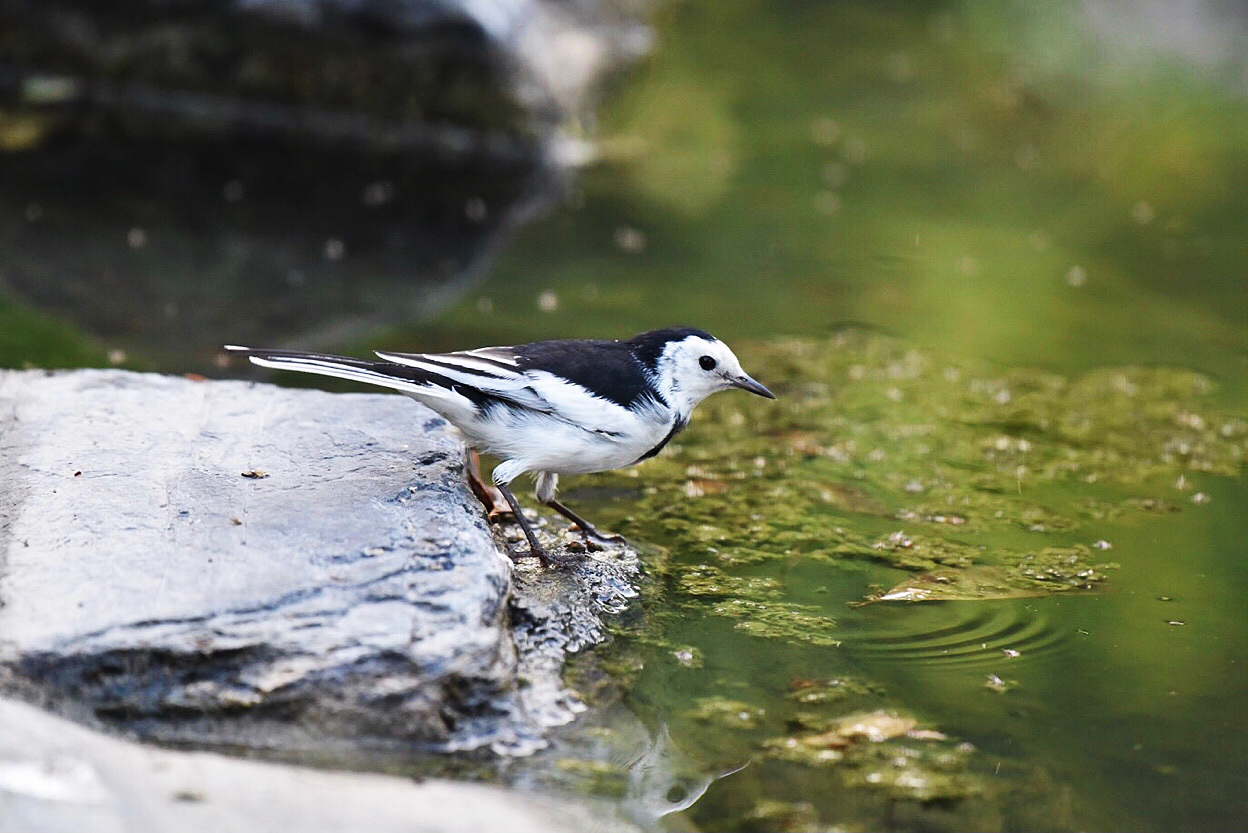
pixel 925 594
pixel 1045 215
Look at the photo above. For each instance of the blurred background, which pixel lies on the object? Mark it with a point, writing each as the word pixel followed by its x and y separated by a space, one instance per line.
pixel 1060 186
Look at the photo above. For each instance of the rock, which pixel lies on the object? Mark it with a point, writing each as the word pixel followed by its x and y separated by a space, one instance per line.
pixel 227 563
pixel 558 612
pixel 56 777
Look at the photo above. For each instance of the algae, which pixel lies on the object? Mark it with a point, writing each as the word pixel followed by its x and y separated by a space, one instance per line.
pixel 726 713
pixel 779 620
pixel 886 750
pixel 877 451
pixel 783 816
pixel 31 338
pixel 833 690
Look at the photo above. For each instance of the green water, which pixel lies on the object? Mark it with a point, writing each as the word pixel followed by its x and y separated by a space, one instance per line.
pixel 778 167
pixel 1035 225
pixel 1082 663
pixel 1022 204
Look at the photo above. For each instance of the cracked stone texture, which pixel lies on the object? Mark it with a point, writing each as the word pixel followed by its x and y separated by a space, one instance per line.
pixel 241 564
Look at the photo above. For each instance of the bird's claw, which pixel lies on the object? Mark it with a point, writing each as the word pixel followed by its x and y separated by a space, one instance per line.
pixel 563 559
pixel 589 533
pixel 500 515
pixel 551 559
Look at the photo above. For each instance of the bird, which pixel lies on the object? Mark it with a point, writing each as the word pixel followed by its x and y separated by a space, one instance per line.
pixel 565 406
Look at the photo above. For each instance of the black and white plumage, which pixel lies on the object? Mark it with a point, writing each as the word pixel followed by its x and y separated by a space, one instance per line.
pixel 552 407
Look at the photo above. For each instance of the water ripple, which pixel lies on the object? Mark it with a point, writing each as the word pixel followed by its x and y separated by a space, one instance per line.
pixel 954 633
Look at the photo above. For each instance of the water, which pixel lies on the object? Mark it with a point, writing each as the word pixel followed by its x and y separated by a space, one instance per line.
pixel 1013 205
pixel 1114 708
pixel 779 168
pixel 977 185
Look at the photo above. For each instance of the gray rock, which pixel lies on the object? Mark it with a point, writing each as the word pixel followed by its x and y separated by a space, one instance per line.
pixel 56 777
pixel 241 564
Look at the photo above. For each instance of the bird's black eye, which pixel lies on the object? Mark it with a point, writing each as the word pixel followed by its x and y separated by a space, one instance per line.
pixel 707 363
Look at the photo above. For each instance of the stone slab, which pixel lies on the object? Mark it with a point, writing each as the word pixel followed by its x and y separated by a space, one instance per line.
pixel 241 564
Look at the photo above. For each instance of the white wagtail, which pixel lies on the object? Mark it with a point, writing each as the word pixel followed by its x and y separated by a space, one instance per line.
pixel 552 407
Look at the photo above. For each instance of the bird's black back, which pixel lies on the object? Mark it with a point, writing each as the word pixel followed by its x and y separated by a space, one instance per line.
pixel 618 371
pixel 605 368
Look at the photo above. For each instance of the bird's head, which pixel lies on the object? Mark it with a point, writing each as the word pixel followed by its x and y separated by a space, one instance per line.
pixel 689 365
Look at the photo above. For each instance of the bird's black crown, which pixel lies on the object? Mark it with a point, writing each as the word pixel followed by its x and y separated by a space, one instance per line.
pixel 647 347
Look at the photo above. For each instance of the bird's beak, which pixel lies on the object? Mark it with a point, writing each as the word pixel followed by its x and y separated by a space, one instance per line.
pixel 746 383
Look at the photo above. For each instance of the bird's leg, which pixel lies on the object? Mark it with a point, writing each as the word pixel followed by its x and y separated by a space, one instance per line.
pixel 587 529
pixel 547 482
pixel 535 548
pixel 478 486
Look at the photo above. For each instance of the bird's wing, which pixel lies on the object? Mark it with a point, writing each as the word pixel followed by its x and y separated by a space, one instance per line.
pixel 586 409
pixel 492 368
pixel 492 371
pixel 463 386
pixel 560 379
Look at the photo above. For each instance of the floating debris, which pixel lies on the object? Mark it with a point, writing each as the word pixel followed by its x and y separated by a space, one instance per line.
pixel 875 726
pixel 688 656
pixel 835 690
pixel 999 685
pixel 1051 571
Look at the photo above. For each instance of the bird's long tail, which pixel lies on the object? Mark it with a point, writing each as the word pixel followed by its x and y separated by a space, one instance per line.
pixel 409 380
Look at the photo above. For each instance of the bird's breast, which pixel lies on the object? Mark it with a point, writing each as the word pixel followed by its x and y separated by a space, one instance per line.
pixel 677 425
pixel 547 443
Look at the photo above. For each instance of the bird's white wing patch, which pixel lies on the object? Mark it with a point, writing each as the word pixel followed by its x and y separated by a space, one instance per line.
pixel 576 405
pixel 504 355
pixel 484 356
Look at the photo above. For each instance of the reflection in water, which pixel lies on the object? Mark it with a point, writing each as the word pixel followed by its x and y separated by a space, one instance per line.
pixel 664 780
pixel 184 247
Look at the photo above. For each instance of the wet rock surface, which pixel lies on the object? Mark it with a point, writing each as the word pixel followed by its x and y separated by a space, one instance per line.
pixel 226 563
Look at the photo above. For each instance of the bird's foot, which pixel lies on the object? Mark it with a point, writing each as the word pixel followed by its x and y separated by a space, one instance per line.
pixel 548 558
pixel 500 515
pixel 587 530
pixel 591 534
